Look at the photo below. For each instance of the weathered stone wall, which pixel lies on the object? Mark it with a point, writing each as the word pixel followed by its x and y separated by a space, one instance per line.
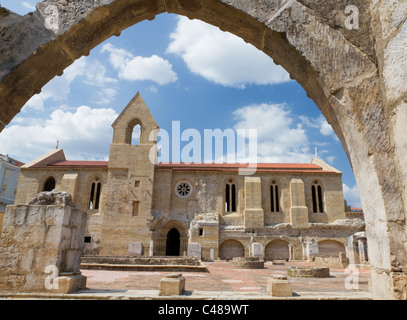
pixel 128 195
pixel 356 76
pixel 31 181
pixel 39 241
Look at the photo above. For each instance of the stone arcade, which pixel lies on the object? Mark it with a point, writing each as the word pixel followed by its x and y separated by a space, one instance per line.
pixel 208 211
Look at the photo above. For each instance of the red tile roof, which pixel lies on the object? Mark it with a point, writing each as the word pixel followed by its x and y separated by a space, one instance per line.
pixel 13 161
pixel 69 163
pixel 287 167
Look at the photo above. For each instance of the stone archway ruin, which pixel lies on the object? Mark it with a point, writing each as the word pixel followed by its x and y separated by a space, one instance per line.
pixel 356 75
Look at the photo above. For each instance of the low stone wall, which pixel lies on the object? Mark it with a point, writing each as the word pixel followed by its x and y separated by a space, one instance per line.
pixel 331 262
pixel 247 263
pixel 148 261
pixel 308 272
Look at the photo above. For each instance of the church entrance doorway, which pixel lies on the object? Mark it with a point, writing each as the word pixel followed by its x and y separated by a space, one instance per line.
pixel 173 243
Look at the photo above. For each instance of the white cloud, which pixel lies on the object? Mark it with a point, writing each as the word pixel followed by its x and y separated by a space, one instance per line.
pixel 352 196
pixel 96 75
pixel 57 89
pixel 319 123
pixel 84 134
pixel 152 89
pixel 28 5
pixel 139 68
pixel 279 138
pixel 222 57
pixel 91 72
pixel 105 95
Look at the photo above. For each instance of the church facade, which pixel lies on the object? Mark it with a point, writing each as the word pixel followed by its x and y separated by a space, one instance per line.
pixel 165 209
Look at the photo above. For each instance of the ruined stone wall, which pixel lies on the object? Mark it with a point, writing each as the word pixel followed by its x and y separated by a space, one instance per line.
pixel 31 182
pixel 208 195
pixel 41 240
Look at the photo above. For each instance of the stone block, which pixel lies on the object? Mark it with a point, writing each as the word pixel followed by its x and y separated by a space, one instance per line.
pixel 41 237
pixel 172 284
pixel 136 249
pixel 70 283
pixel 279 286
pixel 299 217
pixel 195 250
pixel 257 250
pixel 247 263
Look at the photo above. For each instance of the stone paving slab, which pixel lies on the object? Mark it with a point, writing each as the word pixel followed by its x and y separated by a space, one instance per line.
pixel 189 295
pixel 222 277
pixel 221 282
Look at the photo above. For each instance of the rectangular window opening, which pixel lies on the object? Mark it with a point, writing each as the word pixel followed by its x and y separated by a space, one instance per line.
pixel 136 208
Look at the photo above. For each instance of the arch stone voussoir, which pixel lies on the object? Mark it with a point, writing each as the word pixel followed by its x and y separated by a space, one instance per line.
pixel 357 76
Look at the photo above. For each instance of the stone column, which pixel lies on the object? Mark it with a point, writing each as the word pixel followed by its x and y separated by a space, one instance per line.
pixel 298 210
pixel 253 211
pixel 151 250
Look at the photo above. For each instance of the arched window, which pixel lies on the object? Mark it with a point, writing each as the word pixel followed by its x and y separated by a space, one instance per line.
pixel 136 135
pixel 274 197
pixel 95 191
pixel 230 197
pixel 49 185
pixel 317 200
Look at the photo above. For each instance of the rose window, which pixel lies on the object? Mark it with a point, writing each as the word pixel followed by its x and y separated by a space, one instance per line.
pixel 183 189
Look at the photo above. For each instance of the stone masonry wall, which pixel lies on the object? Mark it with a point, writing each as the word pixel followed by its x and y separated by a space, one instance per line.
pixel 39 241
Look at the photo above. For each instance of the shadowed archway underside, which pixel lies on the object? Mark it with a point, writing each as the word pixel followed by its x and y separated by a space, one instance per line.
pixel 356 77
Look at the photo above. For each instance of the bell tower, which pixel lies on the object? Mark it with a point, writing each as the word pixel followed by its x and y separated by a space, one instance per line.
pixel 127 196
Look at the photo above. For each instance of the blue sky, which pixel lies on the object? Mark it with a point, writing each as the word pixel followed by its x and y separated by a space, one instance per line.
pixel 186 71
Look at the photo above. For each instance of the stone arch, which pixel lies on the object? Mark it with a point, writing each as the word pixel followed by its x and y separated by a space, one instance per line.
pixel 277 250
pixel 230 249
pixel 162 233
pixel 130 130
pixel 48 183
pixel 355 77
pixel 330 248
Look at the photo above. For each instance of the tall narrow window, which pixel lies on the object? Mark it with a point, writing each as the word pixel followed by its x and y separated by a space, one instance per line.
pixel 136 135
pixel 227 198
pixel 233 198
pixel 274 198
pixel 49 185
pixel 314 199
pixel 136 208
pixel 320 202
pixel 95 191
pixel 230 197
pixel 317 199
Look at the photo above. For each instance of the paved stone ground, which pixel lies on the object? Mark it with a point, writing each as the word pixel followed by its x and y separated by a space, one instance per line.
pixel 222 277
